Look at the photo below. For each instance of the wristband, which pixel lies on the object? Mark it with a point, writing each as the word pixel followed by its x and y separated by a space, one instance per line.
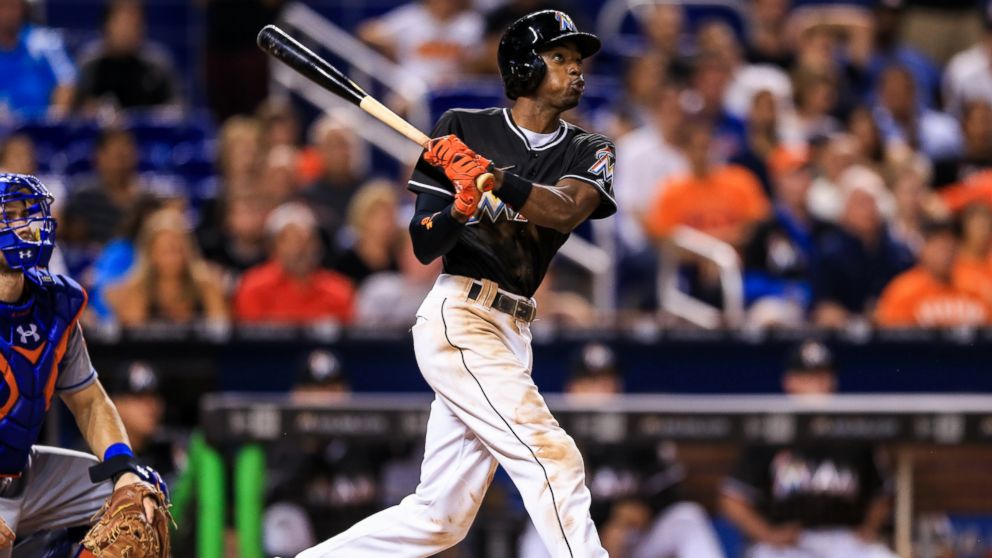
pixel 515 190
pixel 119 448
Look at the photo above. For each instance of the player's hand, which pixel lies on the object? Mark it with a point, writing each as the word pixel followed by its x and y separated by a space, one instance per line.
pixel 783 535
pixel 460 163
pixel 150 504
pixel 441 151
pixel 6 535
pixel 467 198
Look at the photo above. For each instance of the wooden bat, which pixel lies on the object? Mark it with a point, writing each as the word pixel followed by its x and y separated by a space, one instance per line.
pixel 289 51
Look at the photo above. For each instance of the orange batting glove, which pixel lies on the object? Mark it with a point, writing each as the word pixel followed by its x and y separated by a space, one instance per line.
pixel 459 162
pixel 467 198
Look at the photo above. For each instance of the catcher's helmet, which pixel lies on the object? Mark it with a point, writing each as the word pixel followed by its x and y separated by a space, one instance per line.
pixel 520 63
pixel 27 228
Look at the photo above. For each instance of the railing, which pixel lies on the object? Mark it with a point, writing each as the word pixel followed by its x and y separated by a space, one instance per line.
pixel 693 310
pixel 599 263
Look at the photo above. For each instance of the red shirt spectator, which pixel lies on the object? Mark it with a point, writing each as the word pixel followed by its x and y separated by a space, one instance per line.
pixel 291 287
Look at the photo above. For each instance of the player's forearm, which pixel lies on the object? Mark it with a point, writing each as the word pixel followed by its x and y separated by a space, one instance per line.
pixel 97 418
pixel 561 207
pixel 434 232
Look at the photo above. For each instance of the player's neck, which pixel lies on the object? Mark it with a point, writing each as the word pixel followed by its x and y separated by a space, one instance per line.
pixel 11 286
pixel 535 116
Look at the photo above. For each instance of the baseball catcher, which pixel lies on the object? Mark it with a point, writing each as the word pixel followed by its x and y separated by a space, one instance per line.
pixel 43 353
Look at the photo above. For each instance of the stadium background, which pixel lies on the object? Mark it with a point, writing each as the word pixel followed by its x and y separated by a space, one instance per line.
pixel 228 141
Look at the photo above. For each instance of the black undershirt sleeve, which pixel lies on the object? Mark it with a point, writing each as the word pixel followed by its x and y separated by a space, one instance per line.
pixel 433 230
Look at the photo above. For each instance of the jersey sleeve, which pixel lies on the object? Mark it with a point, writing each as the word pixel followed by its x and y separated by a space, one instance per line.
pixel 428 179
pixel 593 163
pixel 75 370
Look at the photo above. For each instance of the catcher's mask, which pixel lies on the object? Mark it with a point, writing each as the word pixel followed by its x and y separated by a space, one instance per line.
pixel 520 62
pixel 27 228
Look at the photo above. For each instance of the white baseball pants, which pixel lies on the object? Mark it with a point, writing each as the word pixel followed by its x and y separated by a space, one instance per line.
pixel 487 411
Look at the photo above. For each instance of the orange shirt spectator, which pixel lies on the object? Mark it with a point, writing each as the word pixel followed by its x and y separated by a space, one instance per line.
pixel 974 276
pixel 973 269
pixel 291 287
pixel 927 295
pixel 724 203
pixel 269 294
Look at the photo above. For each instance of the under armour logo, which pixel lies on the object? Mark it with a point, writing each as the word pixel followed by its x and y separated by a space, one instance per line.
pixel 24 254
pixel 30 334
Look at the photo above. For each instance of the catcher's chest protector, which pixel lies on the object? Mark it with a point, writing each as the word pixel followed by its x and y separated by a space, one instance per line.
pixel 33 339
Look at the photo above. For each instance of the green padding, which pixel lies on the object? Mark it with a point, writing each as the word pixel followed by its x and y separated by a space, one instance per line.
pixel 208 467
pixel 249 484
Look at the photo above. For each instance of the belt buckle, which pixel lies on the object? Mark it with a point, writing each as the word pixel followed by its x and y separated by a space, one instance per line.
pixel 523 311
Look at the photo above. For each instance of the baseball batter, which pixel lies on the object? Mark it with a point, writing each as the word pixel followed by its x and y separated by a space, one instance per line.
pixel 472 336
pixel 42 353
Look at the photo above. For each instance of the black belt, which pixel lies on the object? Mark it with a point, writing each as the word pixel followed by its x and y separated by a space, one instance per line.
pixel 507 304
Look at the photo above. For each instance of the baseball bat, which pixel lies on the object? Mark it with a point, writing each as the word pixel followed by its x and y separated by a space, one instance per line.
pixel 289 51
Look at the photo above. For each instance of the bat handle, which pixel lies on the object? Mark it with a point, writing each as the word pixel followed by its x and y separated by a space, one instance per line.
pixel 485 182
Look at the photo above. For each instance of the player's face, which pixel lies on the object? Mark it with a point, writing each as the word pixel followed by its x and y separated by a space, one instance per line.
pixel 15 215
pixel 563 83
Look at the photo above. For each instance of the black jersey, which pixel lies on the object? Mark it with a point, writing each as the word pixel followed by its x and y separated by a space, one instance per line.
pixel 499 244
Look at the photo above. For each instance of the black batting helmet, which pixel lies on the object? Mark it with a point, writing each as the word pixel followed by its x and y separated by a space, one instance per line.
pixel 520 63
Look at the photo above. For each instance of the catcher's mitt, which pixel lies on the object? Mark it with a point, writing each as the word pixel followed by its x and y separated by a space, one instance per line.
pixel 124 531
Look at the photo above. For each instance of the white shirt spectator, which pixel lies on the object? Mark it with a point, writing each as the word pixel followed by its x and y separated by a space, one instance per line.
pixel 428 47
pixel 645 160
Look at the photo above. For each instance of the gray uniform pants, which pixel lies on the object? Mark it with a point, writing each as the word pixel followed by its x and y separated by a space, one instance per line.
pixel 54 492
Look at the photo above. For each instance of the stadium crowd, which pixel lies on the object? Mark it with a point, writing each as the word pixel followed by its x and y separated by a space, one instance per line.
pixel 845 161
pixel 843 150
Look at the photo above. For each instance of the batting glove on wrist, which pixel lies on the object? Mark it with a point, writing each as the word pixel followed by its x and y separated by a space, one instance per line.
pixel 467 198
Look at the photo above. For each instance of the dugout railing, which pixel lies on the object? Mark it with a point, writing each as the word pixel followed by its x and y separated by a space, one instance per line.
pixel 909 425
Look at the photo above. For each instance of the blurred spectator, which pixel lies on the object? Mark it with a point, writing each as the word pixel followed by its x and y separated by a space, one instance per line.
pixel 237 70
pixel 976 153
pixel 239 156
pixel 123 69
pixel 636 498
pixel 710 77
pixel 889 51
pixel 746 80
pixel 663 26
pixel 239 152
pixel 817 47
pixel 811 500
pixel 646 157
pixel 782 256
pixel 100 202
pixel 968 76
pixel 765 34
pixel 973 268
pixel 392 299
pixel 719 200
pixel 277 178
pixel 135 391
pixel 927 295
pixel 343 161
pixel 762 138
pixel 239 243
pixel 320 489
pixel 861 257
pixel 18 155
pixel 170 282
pixel 870 148
pixel 373 227
pixel 41 76
pixel 838 154
pixel 903 118
pixel 429 38
pixel 117 258
pixel 912 196
pixel 280 123
pixel 815 98
pixel 291 287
